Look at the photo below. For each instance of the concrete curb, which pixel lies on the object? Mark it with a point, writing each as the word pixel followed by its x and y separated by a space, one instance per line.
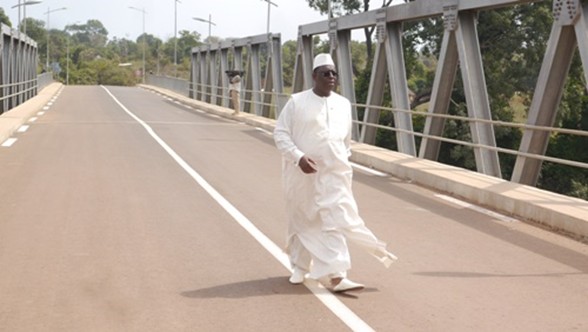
pixel 560 213
pixel 11 120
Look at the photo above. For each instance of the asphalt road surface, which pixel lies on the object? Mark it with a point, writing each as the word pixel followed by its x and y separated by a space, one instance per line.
pixel 122 210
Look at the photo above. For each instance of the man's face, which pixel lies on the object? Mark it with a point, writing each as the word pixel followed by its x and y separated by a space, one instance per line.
pixel 325 78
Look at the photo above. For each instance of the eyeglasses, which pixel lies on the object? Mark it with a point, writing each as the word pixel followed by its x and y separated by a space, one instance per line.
pixel 329 73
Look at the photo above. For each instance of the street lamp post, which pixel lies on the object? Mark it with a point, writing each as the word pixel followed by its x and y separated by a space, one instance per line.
pixel 176 37
pixel 49 11
pixel 24 8
pixel 269 6
pixel 329 13
pixel 27 3
pixel 209 21
pixel 142 10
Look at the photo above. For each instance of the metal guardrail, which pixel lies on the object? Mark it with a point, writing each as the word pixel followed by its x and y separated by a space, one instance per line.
pixel 43 80
pixel 170 83
pixel 460 45
pixel 210 63
pixel 183 87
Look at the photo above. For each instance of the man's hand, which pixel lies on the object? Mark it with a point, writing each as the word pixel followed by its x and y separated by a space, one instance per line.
pixel 307 165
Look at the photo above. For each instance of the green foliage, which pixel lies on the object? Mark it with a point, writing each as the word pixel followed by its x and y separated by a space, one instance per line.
pixel 101 72
pixel 572 114
pixel 288 59
pixel 358 57
pixel 4 18
pixel 91 34
pixel 83 76
pixel 36 30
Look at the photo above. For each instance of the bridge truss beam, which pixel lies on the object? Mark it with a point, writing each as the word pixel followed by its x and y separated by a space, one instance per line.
pixel 569 31
pixel 460 50
pixel 18 68
pixel 210 83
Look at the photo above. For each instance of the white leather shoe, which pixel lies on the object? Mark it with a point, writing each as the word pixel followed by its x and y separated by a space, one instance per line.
pixel 298 276
pixel 346 285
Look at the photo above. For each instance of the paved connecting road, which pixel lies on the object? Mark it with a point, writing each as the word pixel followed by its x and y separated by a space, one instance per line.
pixel 122 210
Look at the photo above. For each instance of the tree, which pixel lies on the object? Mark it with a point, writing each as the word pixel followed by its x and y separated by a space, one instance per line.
pixel 123 48
pixel 92 34
pixel 4 18
pixel 36 30
pixel 288 61
pixel 185 43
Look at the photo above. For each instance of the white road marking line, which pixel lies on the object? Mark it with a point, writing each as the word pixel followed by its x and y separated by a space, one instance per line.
pixel 476 208
pixel 329 300
pixel 46 108
pixel 40 113
pixel 8 143
pixel 33 119
pixel 23 128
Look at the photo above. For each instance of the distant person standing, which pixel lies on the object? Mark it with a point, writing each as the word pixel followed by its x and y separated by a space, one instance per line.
pixel 313 133
pixel 235 91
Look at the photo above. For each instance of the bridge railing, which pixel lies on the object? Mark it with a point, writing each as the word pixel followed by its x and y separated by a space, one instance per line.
pixel 184 88
pixel 210 63
pixel 494 123
pixel 460 48
pixel 272 101
pixel 18 68
pixel 43 80
pixel 170 83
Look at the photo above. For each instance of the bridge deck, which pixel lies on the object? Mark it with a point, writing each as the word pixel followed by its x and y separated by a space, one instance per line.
pixel 108 226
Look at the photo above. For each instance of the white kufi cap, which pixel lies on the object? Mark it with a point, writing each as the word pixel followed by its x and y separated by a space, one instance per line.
pixel 322 59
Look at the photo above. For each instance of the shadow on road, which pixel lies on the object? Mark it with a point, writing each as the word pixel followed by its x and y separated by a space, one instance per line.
pixel 259 287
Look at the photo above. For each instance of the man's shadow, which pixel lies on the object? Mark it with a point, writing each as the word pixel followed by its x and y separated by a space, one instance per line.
pixel 259 287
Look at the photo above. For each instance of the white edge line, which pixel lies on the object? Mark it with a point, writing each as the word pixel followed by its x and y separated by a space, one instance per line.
pixel 328 299
pixel 33 119
pixel 467 205
pixel 23 128
pixel 8 143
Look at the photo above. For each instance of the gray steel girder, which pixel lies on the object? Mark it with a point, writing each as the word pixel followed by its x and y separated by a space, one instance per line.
pixel 476 94
pixel 565 35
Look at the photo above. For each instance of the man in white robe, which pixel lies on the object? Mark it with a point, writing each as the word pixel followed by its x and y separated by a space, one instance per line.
pixel 313 133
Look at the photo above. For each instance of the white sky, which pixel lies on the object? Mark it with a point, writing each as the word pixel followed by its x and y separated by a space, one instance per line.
pixel 233 18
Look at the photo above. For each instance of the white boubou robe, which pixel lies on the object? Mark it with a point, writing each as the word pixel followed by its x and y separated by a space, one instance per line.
pixel 322 211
